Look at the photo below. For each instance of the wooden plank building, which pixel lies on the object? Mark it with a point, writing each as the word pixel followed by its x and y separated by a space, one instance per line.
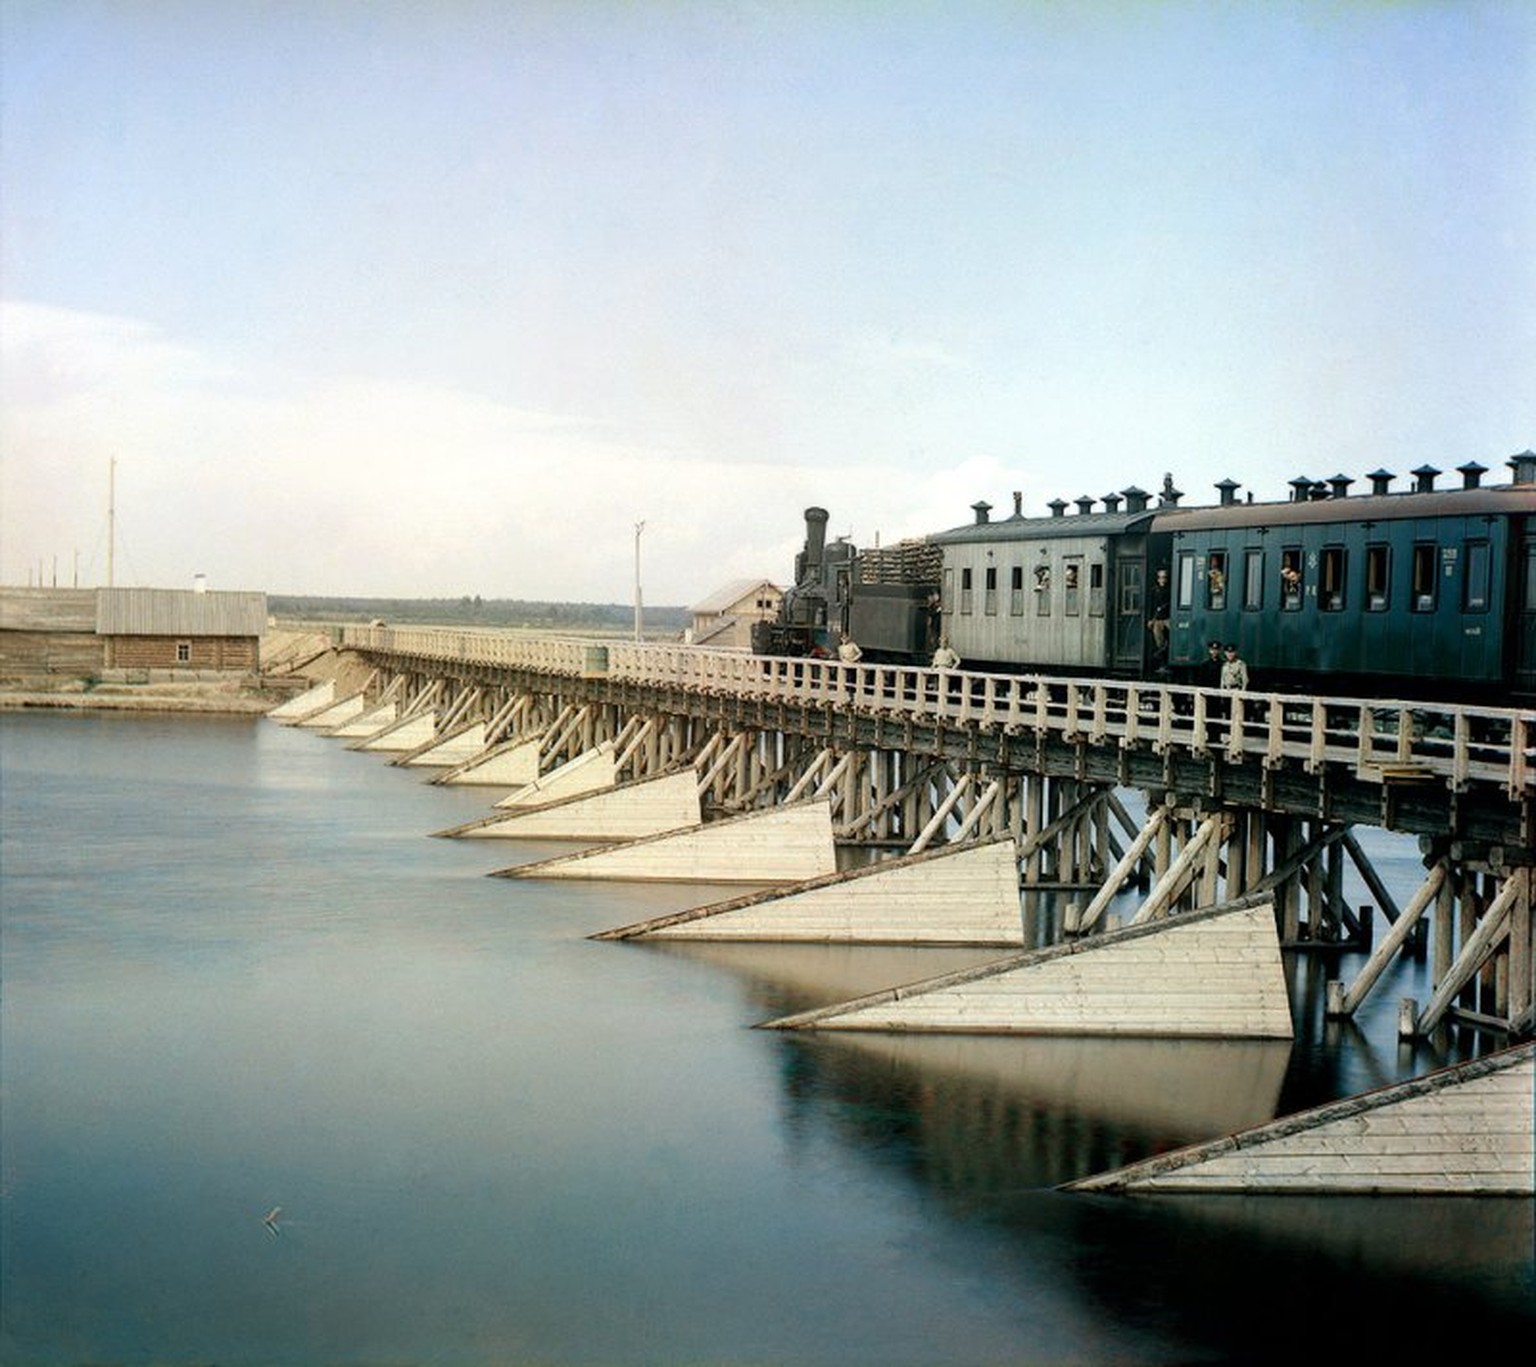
pixel 81 633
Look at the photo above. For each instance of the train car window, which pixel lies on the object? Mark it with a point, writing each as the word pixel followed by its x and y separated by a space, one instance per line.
pixel 965 591
pixel 1042 590
pixel 1253 581
pixel 989 595
pixel 949 590
pixel 1330 579
pixel 1070 590
pixel 1424 558
pixel 1474 590
pixel 1096 590
pixel 1216 581
pixel 1378 577
pixel 1185 592
pixel 1016 591
pixel 1290 579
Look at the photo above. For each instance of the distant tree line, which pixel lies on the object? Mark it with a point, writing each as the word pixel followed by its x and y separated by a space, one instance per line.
pixel 476 612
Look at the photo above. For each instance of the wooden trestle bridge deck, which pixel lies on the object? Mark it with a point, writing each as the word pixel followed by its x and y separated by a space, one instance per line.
pixel 1247 795
pixel 985 791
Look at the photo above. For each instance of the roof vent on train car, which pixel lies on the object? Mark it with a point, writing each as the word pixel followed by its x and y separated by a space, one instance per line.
pixel 1084 504
pixel 1111 503
pixel 1524 466
pixel 1168 496
pixel 982 509
pixel 1381 480
pixel 1135 499
pixel 1058 507
pixel 1471 474
pixel 1301 488
pixel 1226 490
pixel 1424 479
pixel 1018 504
pixel 1338 485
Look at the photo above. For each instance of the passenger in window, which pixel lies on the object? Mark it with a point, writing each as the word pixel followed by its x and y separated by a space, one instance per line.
pixel 1290 586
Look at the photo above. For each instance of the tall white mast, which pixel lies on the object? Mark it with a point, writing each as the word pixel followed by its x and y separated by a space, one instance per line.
pixel 111 520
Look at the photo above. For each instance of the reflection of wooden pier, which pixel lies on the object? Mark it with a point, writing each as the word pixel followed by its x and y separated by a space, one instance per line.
pixel 1103 787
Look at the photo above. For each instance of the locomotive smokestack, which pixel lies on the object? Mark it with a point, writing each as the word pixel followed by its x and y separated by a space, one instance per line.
pixel 1471 474
pixel 1524 467
pixel 1381 480
pixel 1425 479
pixel 815 536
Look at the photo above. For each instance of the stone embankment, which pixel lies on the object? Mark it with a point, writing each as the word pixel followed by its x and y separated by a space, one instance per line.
pixel 289 661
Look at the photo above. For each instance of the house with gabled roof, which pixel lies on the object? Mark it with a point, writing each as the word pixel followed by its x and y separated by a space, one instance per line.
pixel 724 619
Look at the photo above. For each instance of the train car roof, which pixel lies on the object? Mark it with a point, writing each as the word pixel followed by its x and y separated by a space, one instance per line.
pixel 1494 500
pixel 1045 528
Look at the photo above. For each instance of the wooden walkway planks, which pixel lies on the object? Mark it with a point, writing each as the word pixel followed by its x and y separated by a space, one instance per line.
pixel 960 895
pixel 1467 1130
pixel 1212 973
pixel 784 845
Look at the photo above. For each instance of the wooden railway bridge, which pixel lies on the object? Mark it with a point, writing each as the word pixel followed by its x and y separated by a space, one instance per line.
pixel 1197 800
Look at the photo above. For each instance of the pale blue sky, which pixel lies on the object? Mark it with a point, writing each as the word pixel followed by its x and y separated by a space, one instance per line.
pixel 438 299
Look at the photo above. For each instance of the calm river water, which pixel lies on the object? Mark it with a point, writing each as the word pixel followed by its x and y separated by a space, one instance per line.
pixel 239 976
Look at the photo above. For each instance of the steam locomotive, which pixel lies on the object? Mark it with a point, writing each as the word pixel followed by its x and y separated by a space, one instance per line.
pixel 1422 593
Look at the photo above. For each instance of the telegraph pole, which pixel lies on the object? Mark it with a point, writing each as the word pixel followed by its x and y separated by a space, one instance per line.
pixel 639 527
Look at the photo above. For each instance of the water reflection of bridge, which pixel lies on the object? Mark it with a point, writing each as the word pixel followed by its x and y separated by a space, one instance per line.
pixel 1239 795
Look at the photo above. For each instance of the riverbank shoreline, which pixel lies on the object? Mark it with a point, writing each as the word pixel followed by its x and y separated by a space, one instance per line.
pixel 224 697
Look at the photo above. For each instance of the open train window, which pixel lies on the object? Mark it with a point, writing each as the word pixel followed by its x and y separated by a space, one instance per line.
pixel 1424 576
pixel 1016 591
pixel 1290 579
pixel 1474 583
pixel 1096 589
pixel 1216 581
pixel 1071 589
pixel 1184 591
pixel 1253 581
pixel 1378 577
pixel 1330 579
pixel 965 591
pixel 989 593
pixel 1042 590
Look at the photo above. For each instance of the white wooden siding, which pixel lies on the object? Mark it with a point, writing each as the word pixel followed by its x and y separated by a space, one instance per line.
pixel 964 896
pixel 1467 1130
pixel 784 845
pixel 1195 974
pixel 629 811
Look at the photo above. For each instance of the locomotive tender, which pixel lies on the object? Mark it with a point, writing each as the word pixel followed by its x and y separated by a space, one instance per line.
pixel 1416 594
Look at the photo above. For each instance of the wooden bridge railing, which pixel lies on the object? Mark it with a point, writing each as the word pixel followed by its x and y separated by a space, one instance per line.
pixel 1380 740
